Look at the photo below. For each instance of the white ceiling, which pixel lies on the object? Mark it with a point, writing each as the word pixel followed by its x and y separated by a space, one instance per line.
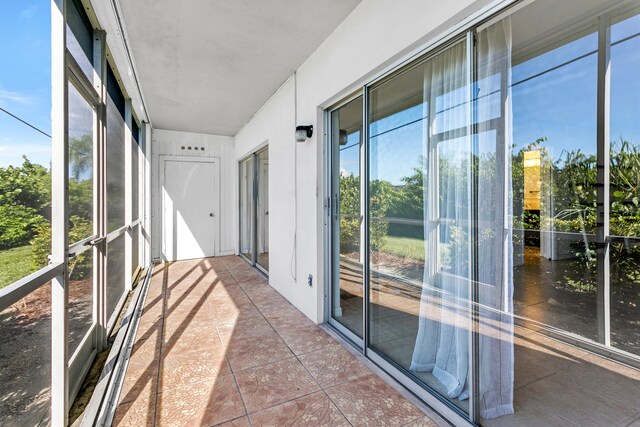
pixel 208 65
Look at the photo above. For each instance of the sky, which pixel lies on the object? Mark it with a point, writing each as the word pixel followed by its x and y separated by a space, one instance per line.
pixel 559 105
pixel 25 80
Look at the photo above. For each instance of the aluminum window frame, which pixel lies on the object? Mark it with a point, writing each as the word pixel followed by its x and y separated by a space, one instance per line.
pixel 253 195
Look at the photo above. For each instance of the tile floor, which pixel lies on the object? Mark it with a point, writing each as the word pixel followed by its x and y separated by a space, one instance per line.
pixel 216 345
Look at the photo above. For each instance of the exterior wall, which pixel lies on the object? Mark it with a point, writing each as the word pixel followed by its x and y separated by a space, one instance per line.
pixel 169 143
pixel 374 37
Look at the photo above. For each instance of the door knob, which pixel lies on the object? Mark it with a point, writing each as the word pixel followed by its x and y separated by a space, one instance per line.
pixel 212 214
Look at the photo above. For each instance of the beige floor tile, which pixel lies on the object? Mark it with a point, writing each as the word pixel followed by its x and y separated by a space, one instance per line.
pixel 185 369
pixel 221 331
pixel 244 328
pixel 268 385
pixel 242 275
pixel 193 347
pixel 222 313
pixel 238 422
pixel 136 413
pixel 202 403
pixel 313 410
pixel 306 339
pixel 255 351
pixel 147 347
pixel 369 401
pixel 140 382
pixel 422 422
pixel 287 319
pixel 333 365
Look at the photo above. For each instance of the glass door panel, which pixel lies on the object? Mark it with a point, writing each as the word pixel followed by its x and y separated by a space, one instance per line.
pixel 347 254
pixel 262 206
pixel 81 221
pixel 624 191
pixel 420 234
pixel 246 208
pixel 553 101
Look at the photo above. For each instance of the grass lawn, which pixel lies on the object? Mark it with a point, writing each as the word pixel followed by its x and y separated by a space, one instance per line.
pixel 405 247
pixel 15 263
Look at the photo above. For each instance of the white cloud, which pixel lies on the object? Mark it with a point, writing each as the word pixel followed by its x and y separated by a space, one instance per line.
pixel 8 97
pixel 29 12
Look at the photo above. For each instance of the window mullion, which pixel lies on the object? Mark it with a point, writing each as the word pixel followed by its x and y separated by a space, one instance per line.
pixel 603 308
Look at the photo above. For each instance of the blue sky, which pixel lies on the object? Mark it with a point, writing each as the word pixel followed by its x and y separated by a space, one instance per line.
pixel 25 80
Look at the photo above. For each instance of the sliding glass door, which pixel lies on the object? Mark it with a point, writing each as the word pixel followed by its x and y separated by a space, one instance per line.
pixel 420 222
pixel 262 209
pixel 348 258
pixel 254 209
pixel 486 226
pixel 246 208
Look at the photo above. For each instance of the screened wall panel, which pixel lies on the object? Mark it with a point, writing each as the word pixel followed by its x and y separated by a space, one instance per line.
pixel 81 217
pixel 80 299
pixel 115 154
pixel 135 248
pixel 116 283
pixel 135 171
pixel 25 368
pixel 80 37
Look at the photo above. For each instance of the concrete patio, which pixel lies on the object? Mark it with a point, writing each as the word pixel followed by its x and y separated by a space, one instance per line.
pixel 216 345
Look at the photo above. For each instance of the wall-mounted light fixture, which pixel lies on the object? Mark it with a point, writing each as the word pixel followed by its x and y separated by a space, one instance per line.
pixel 303 133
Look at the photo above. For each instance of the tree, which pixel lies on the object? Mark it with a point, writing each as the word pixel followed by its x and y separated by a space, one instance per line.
pixel 28 185
pixel 24 202
pixel 80 155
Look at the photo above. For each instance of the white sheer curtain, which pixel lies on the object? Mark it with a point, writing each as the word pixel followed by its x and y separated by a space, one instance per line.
pixel 443 334
pixel 442 343
pixel 495 217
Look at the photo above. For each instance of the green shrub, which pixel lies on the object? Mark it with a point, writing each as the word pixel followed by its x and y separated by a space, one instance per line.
pixel 17 224
pixel 28 185
pixel 41 244
pixel 78 229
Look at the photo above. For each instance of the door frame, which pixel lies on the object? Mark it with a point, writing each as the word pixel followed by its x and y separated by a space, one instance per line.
pixel 254 194
pixel 332 228
pixel 216 202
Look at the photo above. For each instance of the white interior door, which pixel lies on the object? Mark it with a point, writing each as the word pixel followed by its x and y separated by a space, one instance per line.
pixel 190 214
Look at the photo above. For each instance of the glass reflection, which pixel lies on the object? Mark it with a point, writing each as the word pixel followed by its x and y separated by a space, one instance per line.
pixel 262 206
pixel 554 179
pixel 246 208
pixel 346 135
pixel 420 222
pixel 81 120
